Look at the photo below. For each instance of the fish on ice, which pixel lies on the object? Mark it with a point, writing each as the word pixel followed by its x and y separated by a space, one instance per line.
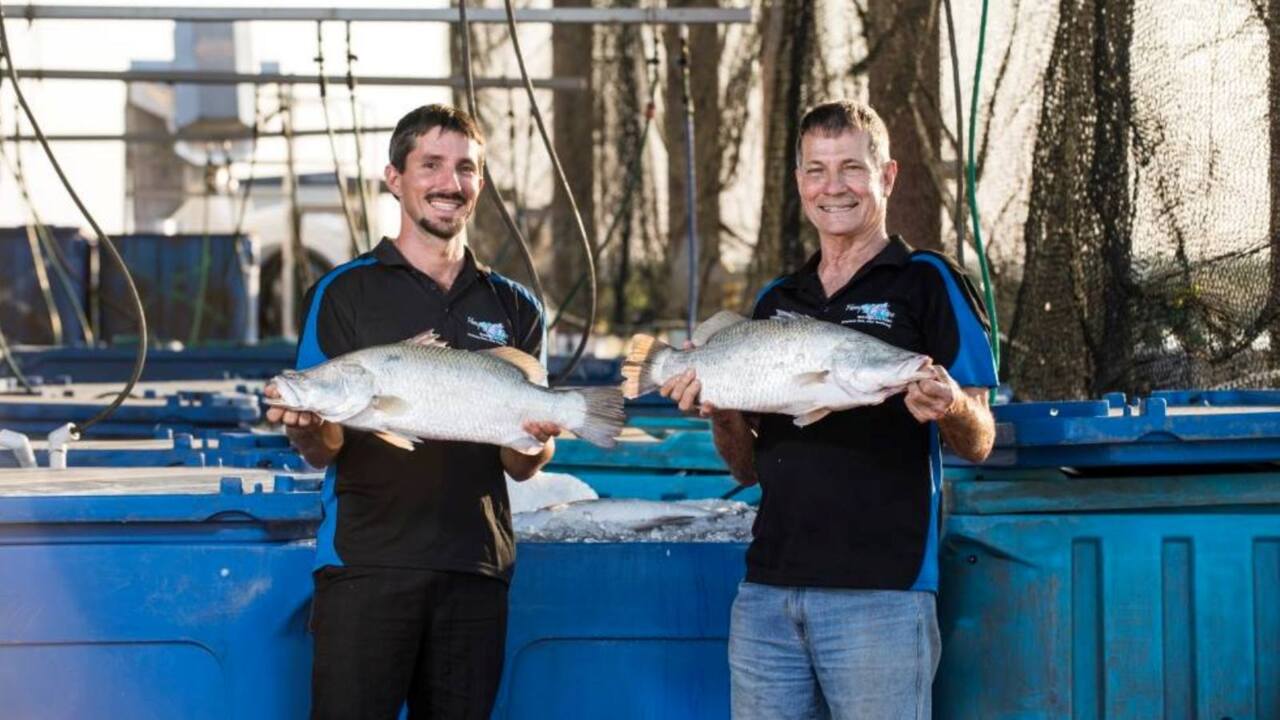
pixel 791 364
pixel 422 388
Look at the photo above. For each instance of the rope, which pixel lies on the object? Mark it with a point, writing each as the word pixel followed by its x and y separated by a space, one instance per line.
pixel 355 135
pixel 333 142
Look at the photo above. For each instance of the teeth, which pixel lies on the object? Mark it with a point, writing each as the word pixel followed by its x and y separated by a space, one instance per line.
pixel 445 205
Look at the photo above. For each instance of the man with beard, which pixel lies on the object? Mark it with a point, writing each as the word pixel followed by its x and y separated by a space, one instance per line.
pixel 416 550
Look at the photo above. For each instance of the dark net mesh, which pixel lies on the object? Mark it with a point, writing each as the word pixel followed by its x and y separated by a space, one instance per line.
pixel 1148 245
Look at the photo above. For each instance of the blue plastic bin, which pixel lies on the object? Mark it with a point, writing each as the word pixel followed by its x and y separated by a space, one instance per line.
pixel 24 315
pixel 189 602
pixel 1141 581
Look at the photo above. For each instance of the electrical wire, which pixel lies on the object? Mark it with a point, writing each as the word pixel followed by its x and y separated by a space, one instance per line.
pixel 355 136
pixel 333 142
pixel 496 197
pixel 564 183
pixel 13 365
pixel 77 429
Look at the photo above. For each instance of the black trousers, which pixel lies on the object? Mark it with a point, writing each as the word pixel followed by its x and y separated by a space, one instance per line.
pixel 386 636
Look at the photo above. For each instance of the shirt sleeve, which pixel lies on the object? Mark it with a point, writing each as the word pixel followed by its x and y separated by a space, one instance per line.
pixel 327 326
pixel 956 330
pixel 528 322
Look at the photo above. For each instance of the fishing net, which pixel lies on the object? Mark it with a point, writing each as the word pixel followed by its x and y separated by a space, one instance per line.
pixel 1137 246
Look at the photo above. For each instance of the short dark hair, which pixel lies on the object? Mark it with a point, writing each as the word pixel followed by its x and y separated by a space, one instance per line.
pixel 841 116
pixel 420 121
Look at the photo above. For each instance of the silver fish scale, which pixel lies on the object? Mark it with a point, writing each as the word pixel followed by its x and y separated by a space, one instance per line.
pixel 754 365
pixel 459 395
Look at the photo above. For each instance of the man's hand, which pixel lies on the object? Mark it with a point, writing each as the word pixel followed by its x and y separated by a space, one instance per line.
pixel 290 418
pixel 520 466
pixel 935 397
pixel 316 440
pixel 684 389
pixel 542 431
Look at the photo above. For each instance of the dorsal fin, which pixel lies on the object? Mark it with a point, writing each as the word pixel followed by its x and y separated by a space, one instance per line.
pixel 714 324
pixel 526 363
pixel 788 315
pixel 427 338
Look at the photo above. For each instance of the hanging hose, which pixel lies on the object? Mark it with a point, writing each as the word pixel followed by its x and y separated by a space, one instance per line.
pixel 77 429
pixel 564 183
pixel 973 194
pixel 496 197
pixel 333 142
pixel 13 365
pixel 355 134
pixel 46 241
pixel 635 174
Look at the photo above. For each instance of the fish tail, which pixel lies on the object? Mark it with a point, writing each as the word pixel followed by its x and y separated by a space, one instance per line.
pixel 638 368
pixel 603 417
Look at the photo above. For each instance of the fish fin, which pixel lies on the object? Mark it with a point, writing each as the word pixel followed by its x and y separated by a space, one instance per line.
pixel 526 363
pixel 427 338
pixel 637 369
pixel 788 315
pixel 602 422
pixel 811 417
pixel 714 324
pixel 813 378
pixel 526 444
pixel 390 404
pixel 392 437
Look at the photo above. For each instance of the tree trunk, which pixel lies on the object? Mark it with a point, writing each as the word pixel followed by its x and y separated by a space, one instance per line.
pixel 574 121
pixel 903 84
pixel 781 245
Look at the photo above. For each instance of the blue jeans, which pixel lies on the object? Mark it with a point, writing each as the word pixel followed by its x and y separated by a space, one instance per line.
pixel 830 653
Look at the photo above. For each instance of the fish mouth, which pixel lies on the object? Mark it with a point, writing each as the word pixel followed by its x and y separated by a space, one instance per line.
pixel 289 395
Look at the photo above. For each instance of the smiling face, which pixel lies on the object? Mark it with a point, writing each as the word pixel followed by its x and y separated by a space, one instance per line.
pixel 440 182
pixel 844 188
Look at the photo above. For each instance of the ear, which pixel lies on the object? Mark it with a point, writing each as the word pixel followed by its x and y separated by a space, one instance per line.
pixel 888 174
pixel 392 176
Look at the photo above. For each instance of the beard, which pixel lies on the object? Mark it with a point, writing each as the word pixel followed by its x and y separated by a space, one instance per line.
pixel 446 230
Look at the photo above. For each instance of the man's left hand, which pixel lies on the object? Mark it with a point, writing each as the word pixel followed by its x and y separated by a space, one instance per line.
pixel 935 397
pixel 542 430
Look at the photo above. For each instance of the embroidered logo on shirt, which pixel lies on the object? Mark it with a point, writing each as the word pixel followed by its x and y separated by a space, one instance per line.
pixel 870 313
pixel 494 332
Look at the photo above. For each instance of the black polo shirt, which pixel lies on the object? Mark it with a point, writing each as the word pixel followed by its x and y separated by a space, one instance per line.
pixel 851 501
pixel 443 506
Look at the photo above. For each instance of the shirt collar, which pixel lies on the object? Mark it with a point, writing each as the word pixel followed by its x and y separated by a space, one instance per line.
pixel 387 253
pixel 897 253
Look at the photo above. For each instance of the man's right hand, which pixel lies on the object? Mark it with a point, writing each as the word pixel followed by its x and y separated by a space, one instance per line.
pixel 318 441
pixel 290 418
pixel 684 389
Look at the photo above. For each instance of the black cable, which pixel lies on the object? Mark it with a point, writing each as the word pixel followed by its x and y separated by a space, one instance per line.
pixel 355 136
pixel 492 187
pixel 333 142
pixel 13 365
pixel 77 429
pixel 635 174
pixel 959 221
pixel 564 183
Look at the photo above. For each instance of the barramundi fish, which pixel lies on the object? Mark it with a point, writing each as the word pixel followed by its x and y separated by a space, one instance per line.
pixel 790 364
pixel 423 389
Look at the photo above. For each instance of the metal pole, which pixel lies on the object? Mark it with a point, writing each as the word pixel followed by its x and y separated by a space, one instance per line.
pixel 691 179
pixel 290 250
pixel 213 77
pixel 615 16
pixel 188 137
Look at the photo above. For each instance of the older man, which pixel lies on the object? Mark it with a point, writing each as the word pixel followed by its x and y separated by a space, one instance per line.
pixel 837 615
